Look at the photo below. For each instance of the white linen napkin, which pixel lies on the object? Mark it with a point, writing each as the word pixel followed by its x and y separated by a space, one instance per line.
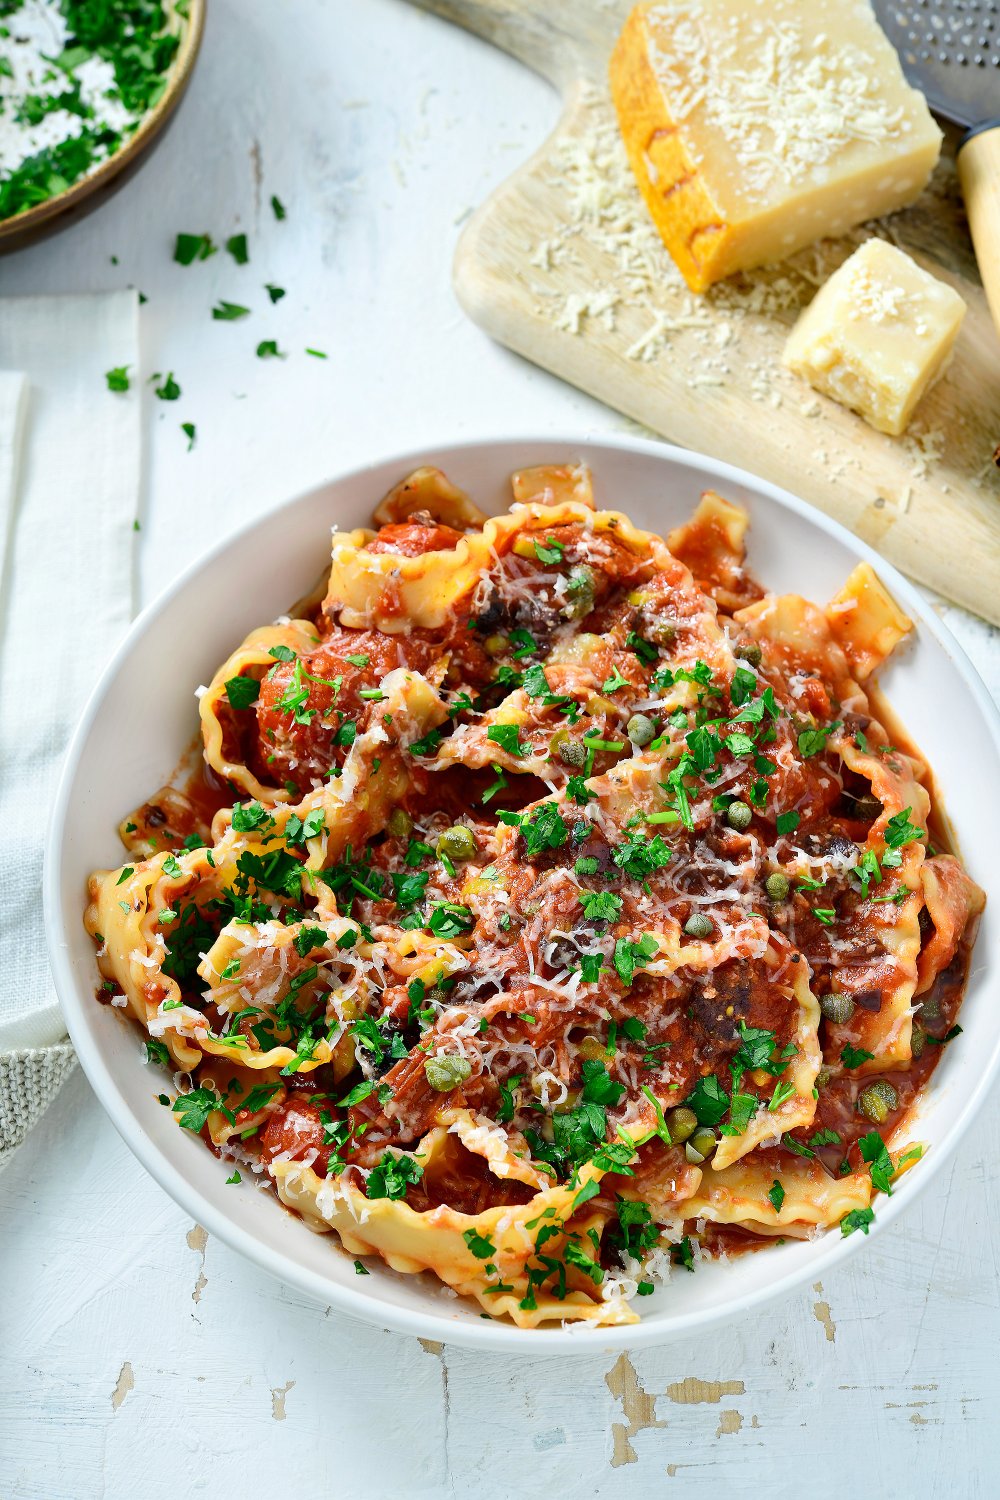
pixel 70 477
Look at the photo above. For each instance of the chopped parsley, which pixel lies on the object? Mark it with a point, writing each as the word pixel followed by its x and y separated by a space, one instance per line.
pixel 193 1109
pixel 508 737
pixel 874 1151
pixel 813 741
pixel 448 920
pixel 600 906
pixel 242 691
pixel 229 312
pixel 899 831
pixel 858 1218
pixel 191 247
pixel 549 551
pixel 169 390
pixel 237 247
pixel 598 1085
pixel 393 1176
pixel 631 956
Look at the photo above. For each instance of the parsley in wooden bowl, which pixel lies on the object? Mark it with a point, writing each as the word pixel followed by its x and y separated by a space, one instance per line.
pixel 85 89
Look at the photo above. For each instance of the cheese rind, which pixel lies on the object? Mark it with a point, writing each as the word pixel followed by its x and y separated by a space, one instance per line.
pixel 754 127
pixel 877 335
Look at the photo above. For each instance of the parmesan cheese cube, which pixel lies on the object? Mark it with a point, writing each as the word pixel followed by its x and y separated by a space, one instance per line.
pixel 876 335
pixel 757 126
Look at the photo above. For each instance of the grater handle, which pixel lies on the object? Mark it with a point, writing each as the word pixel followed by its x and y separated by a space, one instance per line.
pixel 979 174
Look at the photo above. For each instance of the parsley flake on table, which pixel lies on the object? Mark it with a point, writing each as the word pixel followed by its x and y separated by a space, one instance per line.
pixel 274 292
pixel 169 390
pixel 191 247
pixel 277 207
pixel 229 312
pixel 268 349
pixel 237 247
pixel 118 378
pixel 190 432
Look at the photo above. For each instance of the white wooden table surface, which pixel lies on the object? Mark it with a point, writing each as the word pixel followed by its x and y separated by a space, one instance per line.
pixel 137 1357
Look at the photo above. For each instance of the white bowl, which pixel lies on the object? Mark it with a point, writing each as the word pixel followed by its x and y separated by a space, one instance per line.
pixel 142 715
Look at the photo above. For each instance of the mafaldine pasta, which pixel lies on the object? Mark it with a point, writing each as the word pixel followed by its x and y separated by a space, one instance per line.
pixel 551 910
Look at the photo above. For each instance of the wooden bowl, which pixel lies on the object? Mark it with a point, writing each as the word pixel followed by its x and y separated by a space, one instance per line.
pixel 67 207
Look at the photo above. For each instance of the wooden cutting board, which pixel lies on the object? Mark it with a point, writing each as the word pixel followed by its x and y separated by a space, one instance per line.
pixel 563 265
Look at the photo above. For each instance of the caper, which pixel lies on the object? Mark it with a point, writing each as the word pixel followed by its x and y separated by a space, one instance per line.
pixel 457 842
pixel 823 1077
pixel 446 1071
pixel 400 824
pixel 581 590
pixel 663 632
pixel 777 886
pixel 749 651
pixel 572 753
pixel 918 1041
pixel 837 1007
pixel 738 815
pixel 698 925
pixel 495 645
pixel 701 1145
pixel 878 1100
pixel 641 729
pixel 682 1123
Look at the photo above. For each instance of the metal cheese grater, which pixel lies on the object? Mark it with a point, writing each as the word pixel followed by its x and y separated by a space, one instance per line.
pixel 950 50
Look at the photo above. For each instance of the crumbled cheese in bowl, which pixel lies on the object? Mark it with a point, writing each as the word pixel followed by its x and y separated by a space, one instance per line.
pixel 76 81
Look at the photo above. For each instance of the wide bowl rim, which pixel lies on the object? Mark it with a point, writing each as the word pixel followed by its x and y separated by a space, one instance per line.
pixel 211 1214
pixel 22 225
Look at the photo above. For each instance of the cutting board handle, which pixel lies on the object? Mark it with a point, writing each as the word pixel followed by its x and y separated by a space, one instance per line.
pixel 554 39
pixel 979 174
